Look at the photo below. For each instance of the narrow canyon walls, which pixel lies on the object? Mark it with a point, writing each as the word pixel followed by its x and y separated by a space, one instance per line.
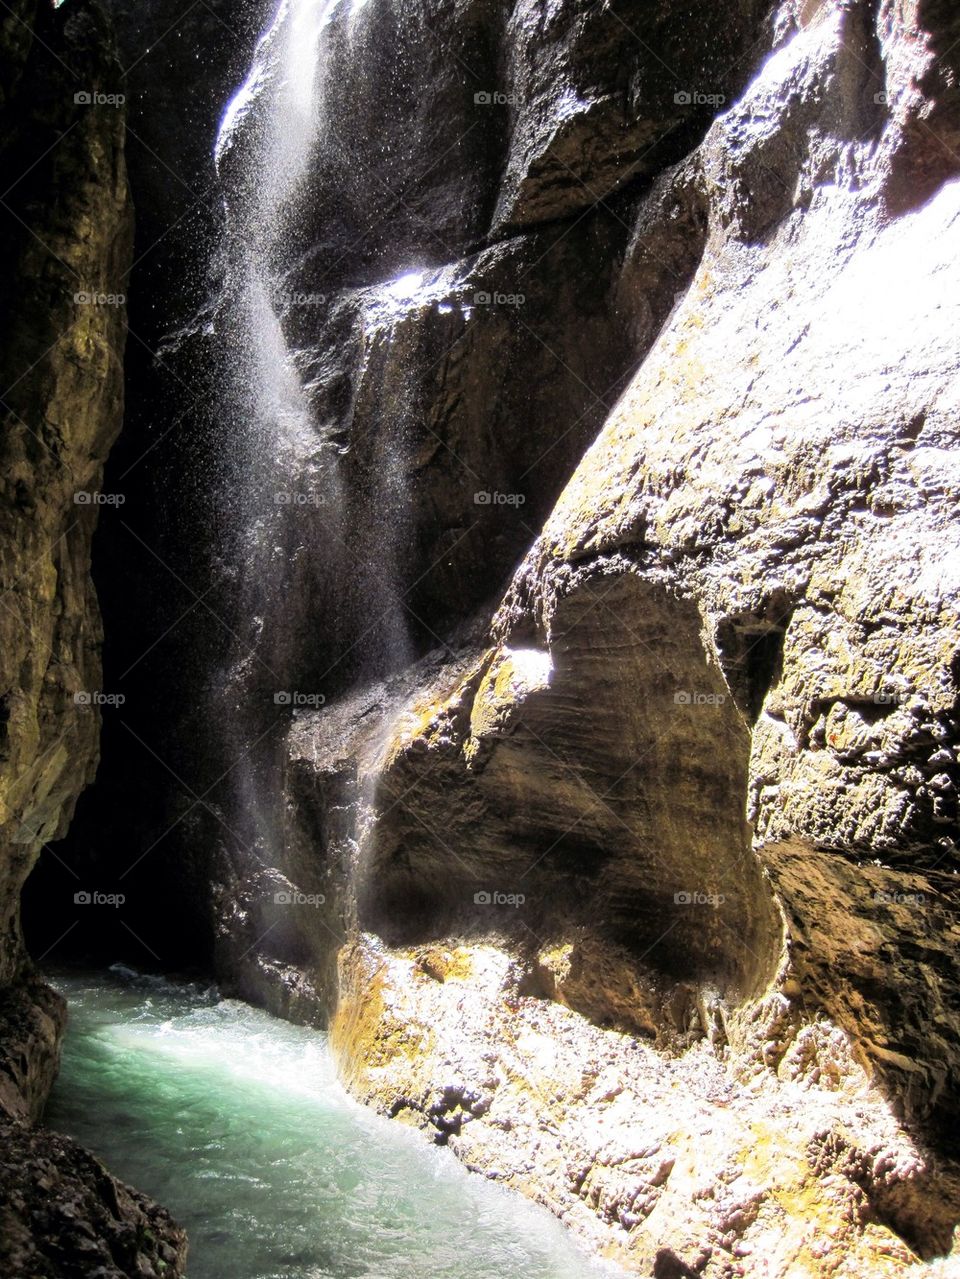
pixel 572 719
pixel 66 231
pixel 695 777
pixel 66 228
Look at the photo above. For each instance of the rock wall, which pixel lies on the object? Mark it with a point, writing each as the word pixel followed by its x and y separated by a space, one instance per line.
pixel 621 853
pixel 673 826
pixel 66 241
pixel 65 237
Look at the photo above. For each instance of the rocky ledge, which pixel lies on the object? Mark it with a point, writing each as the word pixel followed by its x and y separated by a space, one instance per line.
pixel 699 1162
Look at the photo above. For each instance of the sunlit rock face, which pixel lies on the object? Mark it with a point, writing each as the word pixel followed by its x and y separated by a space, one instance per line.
pixel 377 165
pixel 688 795
pixel 589 437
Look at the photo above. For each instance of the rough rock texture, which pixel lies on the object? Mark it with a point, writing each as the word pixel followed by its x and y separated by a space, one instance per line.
pixel 673 1165
pixel 448 372
pixel 179 64
pixel 638 889
pixel 428 371
pixel 65 236
pixel 62 1216
pixel 65 241
pixel 32 1019
pixel 61 1213
pixel 684 811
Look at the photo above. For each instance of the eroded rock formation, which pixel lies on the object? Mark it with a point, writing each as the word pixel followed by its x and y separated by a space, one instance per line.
pixel 65 240
pixel 66 228
pixel 675 828
pixel 590 437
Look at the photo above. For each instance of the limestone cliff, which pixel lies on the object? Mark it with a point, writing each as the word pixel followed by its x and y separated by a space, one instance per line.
pixel 583 422
pixel 638 891
pixel 66 238
pixel 65 241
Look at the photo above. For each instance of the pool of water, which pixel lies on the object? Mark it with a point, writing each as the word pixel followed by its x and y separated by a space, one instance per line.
pixel 236 1122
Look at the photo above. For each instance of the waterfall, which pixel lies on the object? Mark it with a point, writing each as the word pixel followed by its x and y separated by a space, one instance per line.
pixel 316 521
pixel 281 489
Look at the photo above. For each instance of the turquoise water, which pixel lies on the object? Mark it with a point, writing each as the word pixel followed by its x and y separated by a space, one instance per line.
pixel 235 1121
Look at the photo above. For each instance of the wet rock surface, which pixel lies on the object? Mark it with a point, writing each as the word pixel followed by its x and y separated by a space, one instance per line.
pixel 62 1216
pixel 32 1021
pixel 695 783
pixel 65 241
pixel 707 1163
pixel 618 837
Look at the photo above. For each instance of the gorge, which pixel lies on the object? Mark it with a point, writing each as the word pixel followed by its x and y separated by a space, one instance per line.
pixel 481 555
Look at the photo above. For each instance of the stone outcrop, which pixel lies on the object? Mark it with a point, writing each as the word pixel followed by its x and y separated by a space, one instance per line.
pixel 671 830
pixel 32 1020
pixel 672 1164
pixel 62 1216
